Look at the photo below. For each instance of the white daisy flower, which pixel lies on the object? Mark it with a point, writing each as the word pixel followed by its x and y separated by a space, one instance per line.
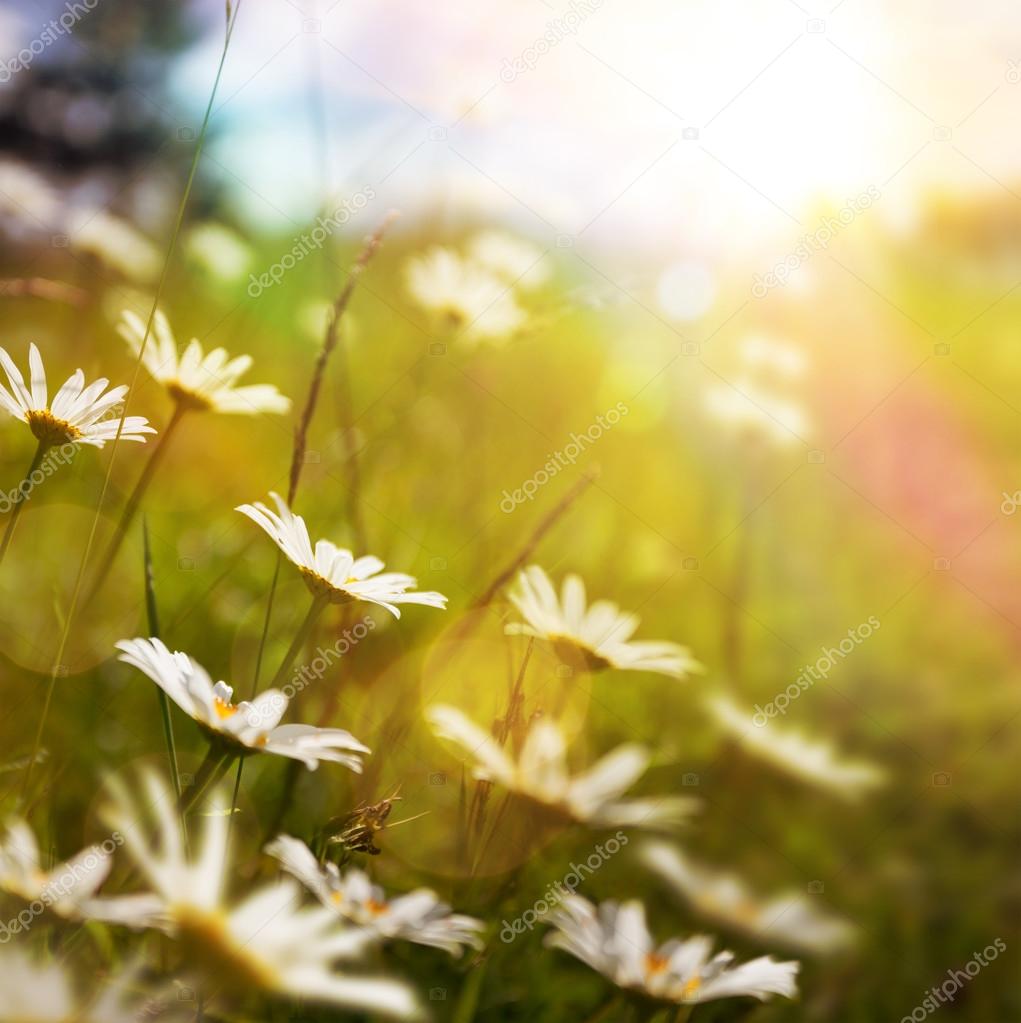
pixel 464 296
pixel 68 889
pixel 811 760
pixel 332 572
pixel 219 251
pixel 598 637
pixel 540 774
pixel 246 727
pixel 615 941
pixel 514 259
pixel 267 941
pixel 77 414
pixel 115 242
pixel 418 917
pixel 195 380
pixel 790 919
pixel 43 992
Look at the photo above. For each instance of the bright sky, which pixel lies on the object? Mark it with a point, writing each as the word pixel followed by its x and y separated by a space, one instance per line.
pixel 643 120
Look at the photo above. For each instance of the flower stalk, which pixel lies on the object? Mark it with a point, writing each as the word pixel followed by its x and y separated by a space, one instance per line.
pixel 37 458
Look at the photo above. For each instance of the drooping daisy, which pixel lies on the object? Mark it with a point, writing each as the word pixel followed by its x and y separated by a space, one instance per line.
pixel 44 992
pixel 195 380
pixel 615 941
pixel 244 727
pixel 268 941
pixel 597 637
pixel 418 917
pixel 464 296
pixel 517 261
pixel 77 414
pixel 789 919
pixel 334 573
pixel 811 760
pixel 540 774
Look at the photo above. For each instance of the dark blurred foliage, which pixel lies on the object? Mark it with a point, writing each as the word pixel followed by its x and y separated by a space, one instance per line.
pixel 95 102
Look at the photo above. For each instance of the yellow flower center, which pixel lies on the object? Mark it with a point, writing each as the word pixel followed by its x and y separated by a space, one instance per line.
pixel 223 709
pixel 691 987
pixel 321 587
pixel 375 908
pixel 571 652
pixel 50 430
pixel 187 398
pixel 207 939
pixel 655 964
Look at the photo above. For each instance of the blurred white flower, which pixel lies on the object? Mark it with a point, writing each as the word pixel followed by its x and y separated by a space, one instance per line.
pixel 246 727
pixel 418 917
pixel 464 296
pixel 114 242
pixel 790 919
pixel 334 572
pixel 748 407
pixel 514 259
pixel 27 197
pixel 540 774
pixel 615 941
pixel 77 413
pixel 67 889
pixel 598 636
pixel 267 941
pixel 196 380
pixel 761 351
pixel 219 251
pixel 44 992
pixel 811 760
pixel 759 402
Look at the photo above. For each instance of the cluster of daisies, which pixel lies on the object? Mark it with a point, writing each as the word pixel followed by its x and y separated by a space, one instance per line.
pixel 309 934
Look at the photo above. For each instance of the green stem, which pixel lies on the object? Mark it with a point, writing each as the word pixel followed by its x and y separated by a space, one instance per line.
pixel 178 223
pixel 210 771
pixel 159 450
pixel 164 701
pixel 317 608
pixel 255 680
pixel 23 490
pixel 291 776
pixel 604 1011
